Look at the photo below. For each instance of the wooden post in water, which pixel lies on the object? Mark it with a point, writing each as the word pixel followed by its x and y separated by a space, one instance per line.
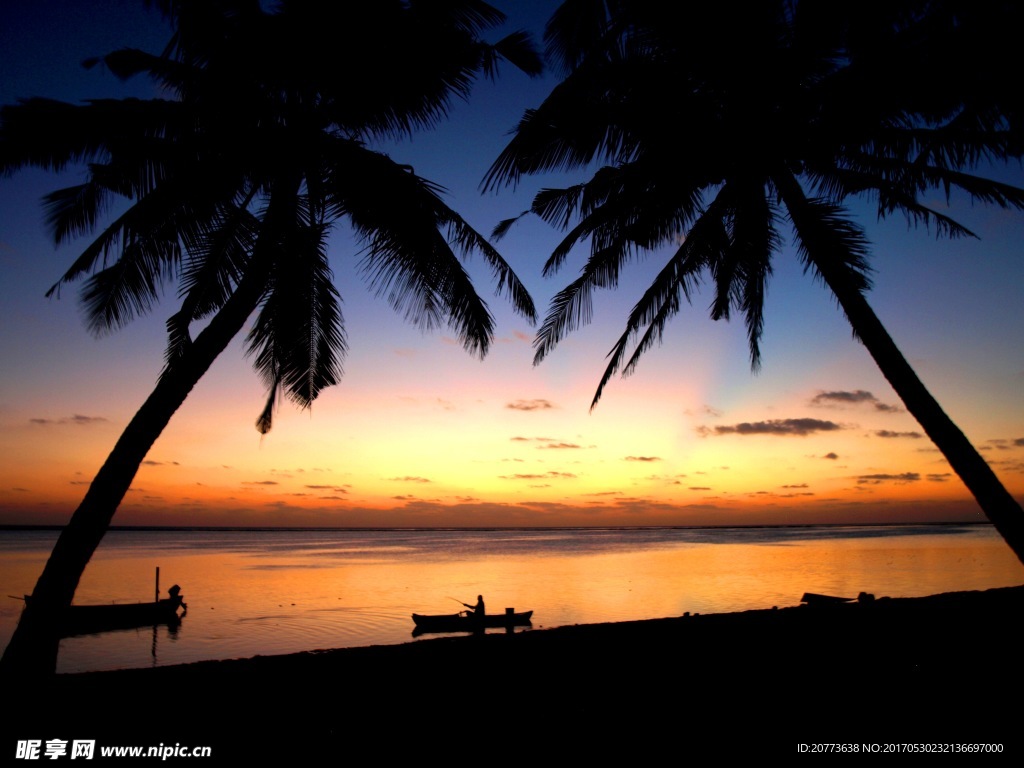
pixel 156 594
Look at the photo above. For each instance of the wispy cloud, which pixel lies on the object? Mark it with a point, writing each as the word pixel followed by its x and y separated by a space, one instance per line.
pixel 530 405
pixel 643 458
pixel 544 476
pixel 546 442
pixel 855 397
pixel 904 477
pixel 77 419
pixel 409 479
pixel 831 456
pixel 889 433
pixel 260 482
pixel 782 427
pixel 1002 444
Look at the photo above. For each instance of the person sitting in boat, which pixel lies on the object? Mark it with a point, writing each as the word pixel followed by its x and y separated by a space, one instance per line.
pixel 477 611
pixel 175 593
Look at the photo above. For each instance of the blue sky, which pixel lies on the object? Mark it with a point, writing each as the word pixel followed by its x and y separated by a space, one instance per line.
pixel 418 432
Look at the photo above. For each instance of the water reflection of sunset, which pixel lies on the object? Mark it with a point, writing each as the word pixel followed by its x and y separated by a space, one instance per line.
pixel 265 593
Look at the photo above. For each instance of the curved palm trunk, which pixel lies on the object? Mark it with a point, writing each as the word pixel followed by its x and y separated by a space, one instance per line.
pixel 32 651
pixel 993 498
pixel 996 502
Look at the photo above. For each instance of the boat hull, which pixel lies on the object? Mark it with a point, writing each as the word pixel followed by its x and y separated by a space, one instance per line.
pixel 90 619
pixel 457 622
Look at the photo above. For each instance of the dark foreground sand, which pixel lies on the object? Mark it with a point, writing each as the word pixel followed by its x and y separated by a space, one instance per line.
pixel 939 670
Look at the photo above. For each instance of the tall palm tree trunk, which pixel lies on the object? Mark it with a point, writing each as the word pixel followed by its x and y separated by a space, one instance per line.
pixel 993 498
pixel 32 651
pixel 995 501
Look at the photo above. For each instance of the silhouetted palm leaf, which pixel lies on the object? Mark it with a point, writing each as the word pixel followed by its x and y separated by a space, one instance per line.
pixel 753 118
pixel 232 183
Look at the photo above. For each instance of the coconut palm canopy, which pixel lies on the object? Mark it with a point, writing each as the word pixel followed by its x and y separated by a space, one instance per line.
pixel 266 124
pixel 742 126
pixel 233 183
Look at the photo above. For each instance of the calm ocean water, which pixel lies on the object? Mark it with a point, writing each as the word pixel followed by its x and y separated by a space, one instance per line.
pixel 268 592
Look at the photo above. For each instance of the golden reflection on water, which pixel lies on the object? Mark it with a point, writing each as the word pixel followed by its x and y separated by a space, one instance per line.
pixel 245 601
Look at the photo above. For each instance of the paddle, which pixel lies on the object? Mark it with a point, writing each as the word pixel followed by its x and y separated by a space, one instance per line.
pixel 458 601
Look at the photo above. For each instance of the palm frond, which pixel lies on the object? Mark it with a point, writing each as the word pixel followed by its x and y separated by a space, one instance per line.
pixel 676 281
pixel 754 239
pixel 114 296
pixel 297 341
pixel 578 124
pixel 50 134
pixel 506 281
pixel 502 227
pixel 827 240
pixel 213 265
pixel 407 258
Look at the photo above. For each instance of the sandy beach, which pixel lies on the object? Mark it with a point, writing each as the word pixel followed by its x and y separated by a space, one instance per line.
pixel 936 671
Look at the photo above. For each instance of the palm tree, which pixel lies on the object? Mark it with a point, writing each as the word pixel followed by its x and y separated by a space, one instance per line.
pixel 233 185
pixel 746 120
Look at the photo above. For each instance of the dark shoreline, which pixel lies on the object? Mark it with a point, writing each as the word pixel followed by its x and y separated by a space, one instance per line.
pixel 939 670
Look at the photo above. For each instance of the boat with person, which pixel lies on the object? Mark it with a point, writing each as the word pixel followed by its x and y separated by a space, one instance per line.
pixel 470 622
pixel 91 619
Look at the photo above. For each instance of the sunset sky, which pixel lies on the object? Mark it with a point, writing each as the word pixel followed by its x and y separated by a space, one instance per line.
pixel 421 434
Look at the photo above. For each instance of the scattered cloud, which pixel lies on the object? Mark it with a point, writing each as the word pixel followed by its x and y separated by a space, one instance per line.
pixel 856 397
pixel 530 405
pixel 77 419
pixel 905 477
pixel 698 488
pixel 1003 444
pixel 890 433
pixel 831 455
pixel 800 485
pixel 783 427
pixel 1019 442
pixel 643 458
pixel 334 488
pixel 260 482
pixel 544 476
pixel 884 408
pixel 546 442
pixel 409 479
pixel 940 477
